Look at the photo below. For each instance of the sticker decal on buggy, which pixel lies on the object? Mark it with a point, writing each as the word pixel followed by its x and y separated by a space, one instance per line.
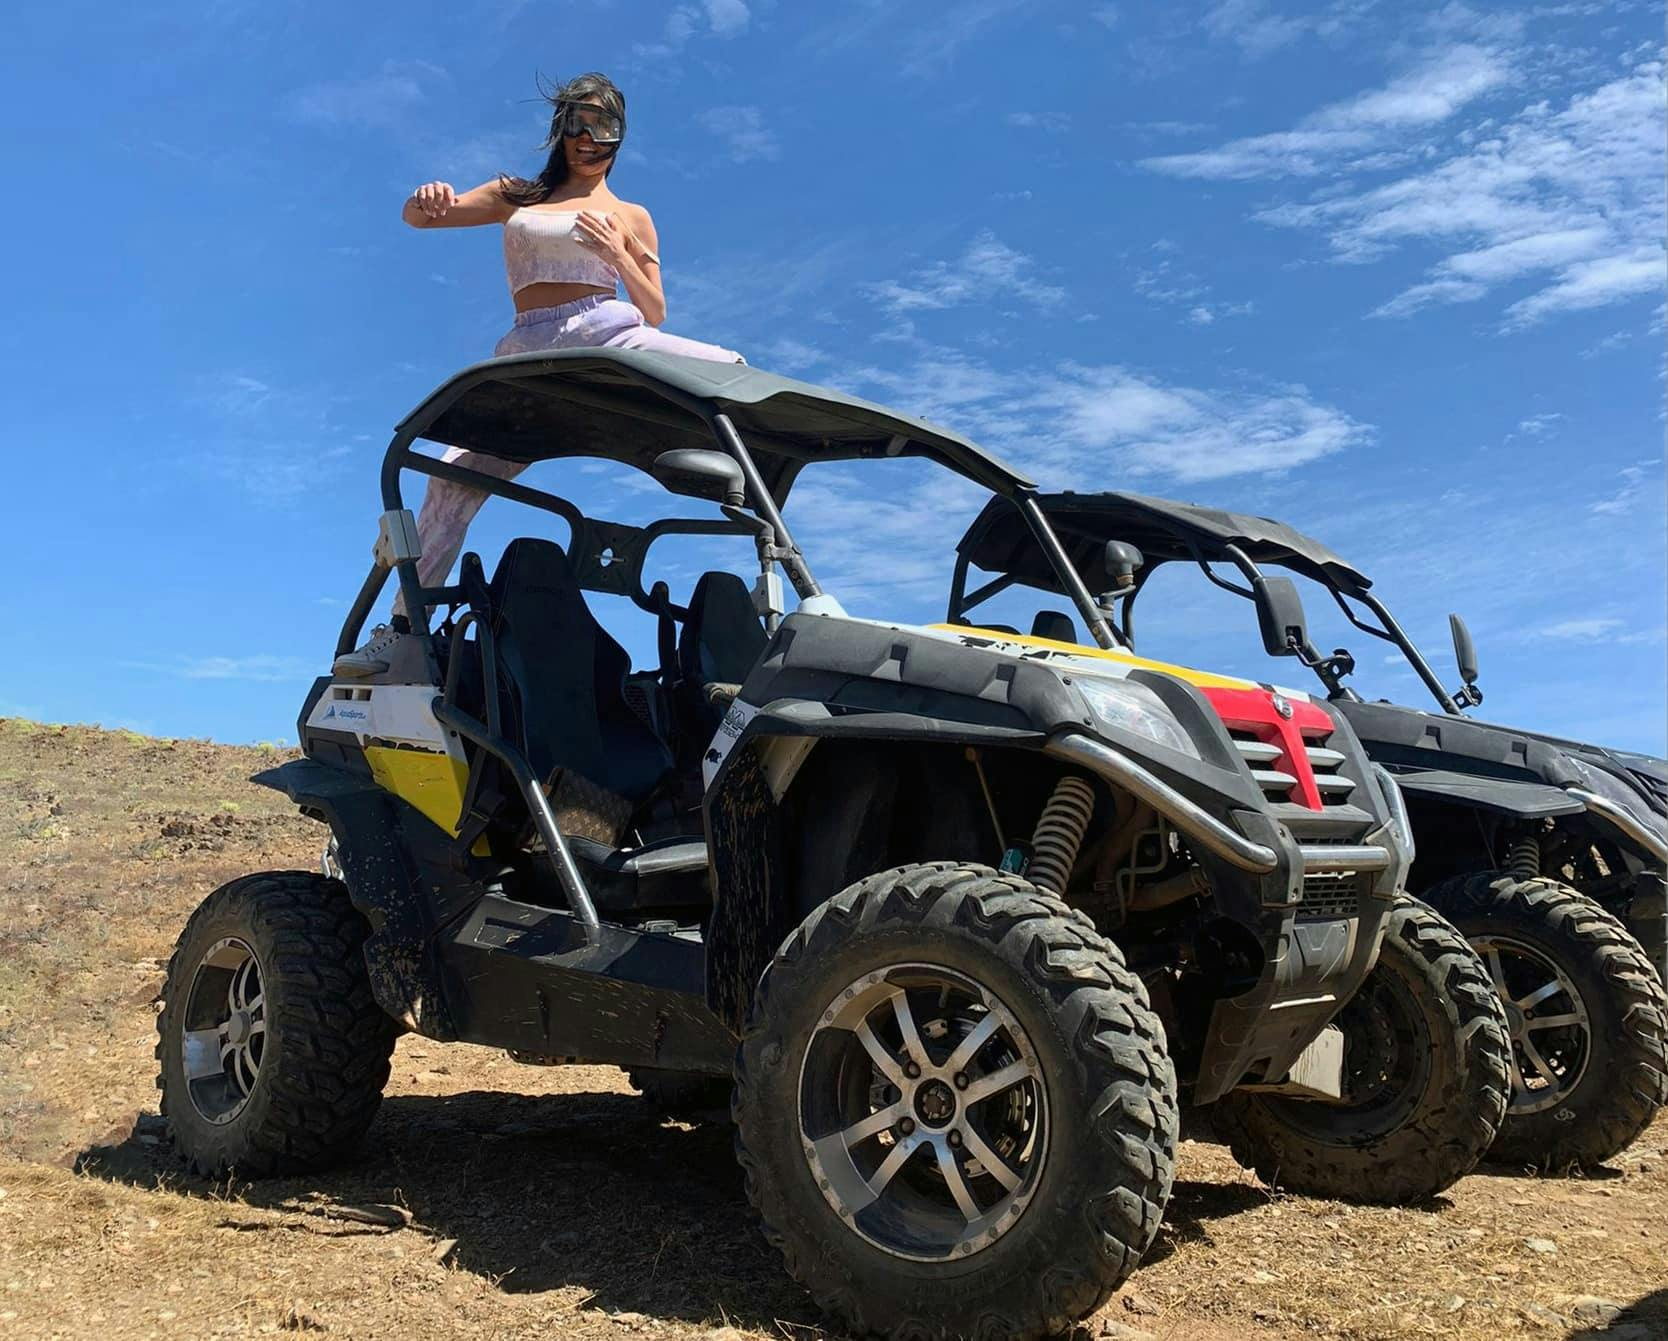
pixel 729 731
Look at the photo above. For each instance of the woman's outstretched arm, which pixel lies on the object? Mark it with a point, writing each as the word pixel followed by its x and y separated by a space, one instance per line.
pixel 436 205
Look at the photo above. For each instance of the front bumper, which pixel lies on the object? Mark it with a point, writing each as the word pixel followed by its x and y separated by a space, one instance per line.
pixel 1622 818
pixel 1316 910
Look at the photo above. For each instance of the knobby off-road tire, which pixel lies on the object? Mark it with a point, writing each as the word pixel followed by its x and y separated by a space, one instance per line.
pixel 1426 1075
pixel 1587 1015
pixel 682 1094
pixel 1064 1107
pixel 299 1076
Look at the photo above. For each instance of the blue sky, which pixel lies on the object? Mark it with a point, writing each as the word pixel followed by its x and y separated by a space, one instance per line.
pixel 1393 272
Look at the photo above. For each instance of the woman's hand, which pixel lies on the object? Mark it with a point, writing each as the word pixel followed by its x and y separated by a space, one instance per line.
pixel 436 205
pixel 435 199
pixel 606 234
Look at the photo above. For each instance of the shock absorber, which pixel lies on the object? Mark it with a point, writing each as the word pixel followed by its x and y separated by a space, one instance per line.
pixel 1523 858
pixel 1059 833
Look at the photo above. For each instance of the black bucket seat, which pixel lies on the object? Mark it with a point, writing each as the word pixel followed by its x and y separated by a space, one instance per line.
pixel 721 641
pixel 564 678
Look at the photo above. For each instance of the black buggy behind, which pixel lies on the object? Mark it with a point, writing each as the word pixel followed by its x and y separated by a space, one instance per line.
pixel 1526 840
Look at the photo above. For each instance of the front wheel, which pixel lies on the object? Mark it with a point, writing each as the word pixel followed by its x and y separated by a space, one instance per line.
pixel 273 1053
pixel 954 1107
pixel 1588 1017
pixel 1426 1075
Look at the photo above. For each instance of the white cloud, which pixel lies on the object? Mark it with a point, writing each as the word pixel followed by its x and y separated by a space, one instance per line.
pixel 936 46
pixel 262 668
pixel 1055 123
pixel 1258 33
pixel 382 100
pixel 1326 140
pixel 1569 198
pixel 1539 425
pixel 1167 281
pixel 1069 426
pixel 743 131
pixel 719 18
pixel 1574 193
pixel 1074 425
pixel 727 17
pixel 1586 630
pixel 1594 283
pixel 987 268
pixel 1626 497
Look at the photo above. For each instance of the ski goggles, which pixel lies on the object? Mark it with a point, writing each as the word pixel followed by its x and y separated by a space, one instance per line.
pixel 574 119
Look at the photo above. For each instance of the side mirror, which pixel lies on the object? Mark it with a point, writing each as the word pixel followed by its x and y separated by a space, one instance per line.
pixel 1118 562
pixel 1465 657
pixel 698 473
pixel 1121 560
pixel 1465 651
pixel 1280 616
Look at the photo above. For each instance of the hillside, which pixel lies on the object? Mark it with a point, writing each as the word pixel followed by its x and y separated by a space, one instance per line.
pixel 535 1201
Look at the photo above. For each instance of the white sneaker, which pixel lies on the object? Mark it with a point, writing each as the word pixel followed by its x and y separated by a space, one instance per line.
pixel 370 658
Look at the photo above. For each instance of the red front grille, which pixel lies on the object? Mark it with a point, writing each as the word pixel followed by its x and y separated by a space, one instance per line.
pixel 1280 749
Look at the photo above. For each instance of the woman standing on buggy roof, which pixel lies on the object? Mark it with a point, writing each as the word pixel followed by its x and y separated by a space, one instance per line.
pixel 569 242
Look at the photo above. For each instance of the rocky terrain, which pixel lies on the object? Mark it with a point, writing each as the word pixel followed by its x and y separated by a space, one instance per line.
pixel 493 1199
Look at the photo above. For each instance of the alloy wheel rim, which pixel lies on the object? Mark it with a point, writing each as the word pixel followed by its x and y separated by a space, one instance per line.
pixel 923 1112
pixel 1551 1031
pixel 224 1035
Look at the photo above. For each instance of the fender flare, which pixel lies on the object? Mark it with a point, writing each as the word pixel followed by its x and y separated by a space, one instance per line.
pixel 366 824
pixel 1508 797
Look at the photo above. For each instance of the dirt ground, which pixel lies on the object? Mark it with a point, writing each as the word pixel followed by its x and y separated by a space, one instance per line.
pixel 523 1201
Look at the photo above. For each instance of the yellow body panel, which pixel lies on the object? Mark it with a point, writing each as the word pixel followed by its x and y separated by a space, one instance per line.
pixel 433 783
pixel 1201 679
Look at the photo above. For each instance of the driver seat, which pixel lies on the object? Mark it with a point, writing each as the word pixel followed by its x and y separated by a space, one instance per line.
pixel 563 685
pixel 721 642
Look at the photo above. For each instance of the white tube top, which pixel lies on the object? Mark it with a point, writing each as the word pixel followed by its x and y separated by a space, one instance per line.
pixel 542 247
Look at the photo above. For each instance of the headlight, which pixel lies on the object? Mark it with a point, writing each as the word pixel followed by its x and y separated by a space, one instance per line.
pixel 1136 709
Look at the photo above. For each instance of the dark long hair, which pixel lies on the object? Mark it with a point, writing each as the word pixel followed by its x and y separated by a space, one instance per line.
pixel 593 87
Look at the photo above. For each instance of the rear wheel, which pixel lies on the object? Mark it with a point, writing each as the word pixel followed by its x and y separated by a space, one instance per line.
pixel 273 1053
pixel 954 1107
pixel 1426 1075
pixel 1588 1017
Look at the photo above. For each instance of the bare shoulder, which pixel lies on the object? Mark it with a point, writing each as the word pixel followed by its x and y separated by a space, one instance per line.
pixel 637 215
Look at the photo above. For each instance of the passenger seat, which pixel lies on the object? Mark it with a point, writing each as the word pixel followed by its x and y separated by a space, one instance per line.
pixel 1054 624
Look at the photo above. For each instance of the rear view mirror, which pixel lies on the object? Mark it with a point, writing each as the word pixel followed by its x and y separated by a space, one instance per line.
pixel 1280 616
pixel 1465 651
pixel 1465 657
pixel 697 473
pixel 1119 563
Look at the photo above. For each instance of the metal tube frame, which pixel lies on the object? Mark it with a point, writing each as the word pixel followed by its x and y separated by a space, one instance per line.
pixel 556 847
pixel 1204 828
pixel 799 572
pixel 1625 820
pixel 1093 617
pixel 400 456
pixel 1192 819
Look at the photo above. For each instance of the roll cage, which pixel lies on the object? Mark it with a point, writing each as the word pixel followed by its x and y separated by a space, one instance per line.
pixel 1168 532
pixel 634 407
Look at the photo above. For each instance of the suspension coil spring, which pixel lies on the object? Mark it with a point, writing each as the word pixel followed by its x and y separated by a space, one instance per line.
pixel 1523 858
pixel 1060 829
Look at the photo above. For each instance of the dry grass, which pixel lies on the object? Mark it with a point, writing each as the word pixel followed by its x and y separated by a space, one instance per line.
pixel 549 1201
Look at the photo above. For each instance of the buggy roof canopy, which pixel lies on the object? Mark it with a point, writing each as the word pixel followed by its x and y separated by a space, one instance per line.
pixel 1162 530
pixel 630 406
